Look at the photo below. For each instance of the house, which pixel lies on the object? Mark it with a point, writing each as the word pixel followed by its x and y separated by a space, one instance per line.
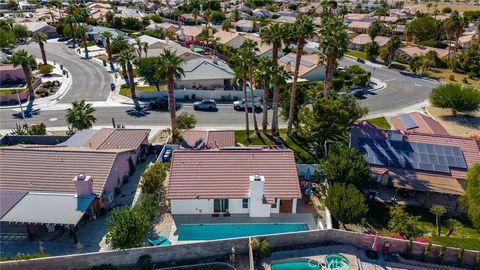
pixel 164 25
pixel 207 139
pixel 262 13
pixel 125 12
pixel 233 40
pixel 358 42
pixel 416 122
pixel 355 17
pixel 309 68
pixel 263 48
pixel 153 43
pixel 466 40
pixel 97 10
pixel 189 33
pixel 359 26
pixel 41 27
pixel 95 33
pixel 10 75
pixel 246 26
pixel 388 19
pixel 189 17
pixel 434 166
pixel 205 74
pixel 407 52
pixel 286 19
pixel 257 182
pixel 181 51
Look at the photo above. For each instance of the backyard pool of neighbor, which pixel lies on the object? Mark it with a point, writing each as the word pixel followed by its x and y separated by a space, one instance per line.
pixel 199 232
pixel 296 266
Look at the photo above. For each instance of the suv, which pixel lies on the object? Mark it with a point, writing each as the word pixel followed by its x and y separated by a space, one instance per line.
pixel 206 104
pixel 159 104
pixel 240 104
pixel 358 93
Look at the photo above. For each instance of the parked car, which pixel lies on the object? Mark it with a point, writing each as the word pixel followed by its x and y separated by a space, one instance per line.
pixel 360 60
pixel 112 86
pixel 159 104
pixel 358 93
pixel 240 104
pixel 206 104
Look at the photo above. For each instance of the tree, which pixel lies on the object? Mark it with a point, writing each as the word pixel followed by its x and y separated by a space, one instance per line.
pixel 470 200
pixel 391 48
pixel 20 31
pixel 275 35
pixel 415 63
pixel 248 49
pixel 301 30
pixel 456 97
pixel 119 43
pixel 453 26
pixel 40 38
pixel 333 45
pixel 345 165
pixel 186 120
pixel 170 69
pixel 346 203
pixel 467 61
pixel 241 61
pixel 126 58
pixel 147 69
pixel 82 31
pixel 403 223
pixel 7 38
pixel 71 20
pixel 263 74
pixel 374 29
pixel 438 211
pixel 226 25
pixel 153 178
pixel 421 29
pixel 372 50
pixel 107 36
pixel 27 62
pixel 80 115
pixel 328 119
pixel 305 91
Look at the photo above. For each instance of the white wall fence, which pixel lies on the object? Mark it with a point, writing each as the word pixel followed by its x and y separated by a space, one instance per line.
pixel 199 94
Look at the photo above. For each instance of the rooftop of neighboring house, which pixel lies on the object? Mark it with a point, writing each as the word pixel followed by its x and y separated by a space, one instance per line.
pixel 204 69
pixel 363 39
pixel 356 16
pixel 359 25
pixel 215 174
pixel 244 23
pixel 35 26
pixel 286 19
pixel 190 31
pixel 308 63
pixel 129 12
pixel 420 50
pixel 108 138
pixel 223 37
pixel 262 47
pixel 100 29
pixel 416 122
pixel 204 139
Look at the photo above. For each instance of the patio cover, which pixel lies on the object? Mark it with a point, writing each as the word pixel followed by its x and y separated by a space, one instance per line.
pixel 8 199
pixel 427 183
pixel 49 208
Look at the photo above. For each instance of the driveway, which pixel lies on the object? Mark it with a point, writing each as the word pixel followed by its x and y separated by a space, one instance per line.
pixel 91 81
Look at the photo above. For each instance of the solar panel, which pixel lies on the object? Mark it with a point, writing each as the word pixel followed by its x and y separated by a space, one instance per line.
pixel 441 168
pixel 408 122
pixel 426 167
pixel 460 163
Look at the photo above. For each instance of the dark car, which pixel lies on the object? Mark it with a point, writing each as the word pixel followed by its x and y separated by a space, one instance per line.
pixel 112 86
pixel 159 104
pixel 360 60
pixel 358 93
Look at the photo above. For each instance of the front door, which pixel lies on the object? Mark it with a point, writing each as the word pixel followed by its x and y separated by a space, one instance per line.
pixel 285 206
pixel 220 205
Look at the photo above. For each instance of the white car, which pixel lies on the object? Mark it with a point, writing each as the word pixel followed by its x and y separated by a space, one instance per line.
pixel 240 104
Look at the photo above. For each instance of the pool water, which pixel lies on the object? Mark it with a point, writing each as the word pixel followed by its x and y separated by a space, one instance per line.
pixel 198 232
pixel 337 262
pixel 295 266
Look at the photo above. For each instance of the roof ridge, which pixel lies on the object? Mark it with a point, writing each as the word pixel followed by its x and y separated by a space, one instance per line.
pixel 106 138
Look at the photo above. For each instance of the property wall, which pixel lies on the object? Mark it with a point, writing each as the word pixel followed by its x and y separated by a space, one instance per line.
pixel 186 207
pixel 13 73
pixel 210 84
pixel 200 94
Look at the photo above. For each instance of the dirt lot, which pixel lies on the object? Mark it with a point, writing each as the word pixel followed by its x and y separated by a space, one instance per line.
pixel 160 137
pixel 460 124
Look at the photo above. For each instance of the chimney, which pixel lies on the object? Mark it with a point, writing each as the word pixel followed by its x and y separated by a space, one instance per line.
pixel 83 184
pixel 256 187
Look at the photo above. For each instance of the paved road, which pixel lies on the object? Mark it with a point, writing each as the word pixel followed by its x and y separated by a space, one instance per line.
pixel 90 80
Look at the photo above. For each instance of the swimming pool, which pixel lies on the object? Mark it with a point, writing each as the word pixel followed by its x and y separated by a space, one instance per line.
pixel 337 262
pixel 296 266
pixel 198 232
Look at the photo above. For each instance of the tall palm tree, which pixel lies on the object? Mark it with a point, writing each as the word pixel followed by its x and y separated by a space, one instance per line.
pixel 80 115
pixel 453 28
pixel 302 29
pixel 392 46
pixel 195 16
pixel 241 60
pixel 275 35
pixel 333 45
pixel 126 59
pixel 27 62
pixel 71 20
pixel 41 38
pixel 248 48
pixel 138 46
pixel 145 48
pixel 82 31
pixel 107 36
pixel 263 74
pixel 171 68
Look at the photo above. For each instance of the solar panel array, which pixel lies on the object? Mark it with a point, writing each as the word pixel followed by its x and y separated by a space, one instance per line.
pixel 408 122
pixel 412 155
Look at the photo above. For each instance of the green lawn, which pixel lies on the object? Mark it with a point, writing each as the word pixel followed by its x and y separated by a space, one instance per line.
pixel 9 91
pixel 302 155
pixel 126 91
pixel 357 54
pixel 380 122
pixel 466 237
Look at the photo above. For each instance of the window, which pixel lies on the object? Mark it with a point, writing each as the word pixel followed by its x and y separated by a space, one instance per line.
pixel 244 203
pixel 274 205
pixel 220 205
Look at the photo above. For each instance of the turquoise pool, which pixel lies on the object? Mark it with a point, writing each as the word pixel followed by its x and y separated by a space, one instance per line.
pixel 295 266
pixel 198 232
pixel 337 262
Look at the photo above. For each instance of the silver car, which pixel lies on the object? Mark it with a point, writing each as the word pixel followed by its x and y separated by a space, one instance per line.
pixel 206 104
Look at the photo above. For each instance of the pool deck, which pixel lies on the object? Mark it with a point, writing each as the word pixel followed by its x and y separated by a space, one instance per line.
pixel 238 219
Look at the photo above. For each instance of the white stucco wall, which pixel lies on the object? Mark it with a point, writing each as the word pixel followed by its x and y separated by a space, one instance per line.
pixel 183 207
pixel 235 207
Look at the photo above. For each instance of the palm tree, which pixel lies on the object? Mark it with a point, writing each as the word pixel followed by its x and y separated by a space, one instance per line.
pixel 438 211
pixel 333 45
pixel 392 46
pixel 302 29
pixel 27 62
pixel 374 29
pixel 275 35
pixel 454 28
pixel 170 68
pixel 126 58
pixel 41 38
pixel 429 5
pixel 249 47
pixel 145 48
pixel 82 31
pixel 71 20
pixel 80 115
pixel 241 60
pixel 195 15
pixel 138 47
pixel 263 74
pixel 107 36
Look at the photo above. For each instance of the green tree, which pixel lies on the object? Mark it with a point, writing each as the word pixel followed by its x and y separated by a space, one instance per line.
pixel 107 37
pixel 421 29
pixel 328 119
pixel 153 178
pixel 41 38
pixel 305 91
pixel 20 31
pixel 438 211
pixel 403 223
pixel 147 69
pixel 242 60
pixel 372 50
pixel 346 203
pixel 186 121
pixel 415 63
pixel 71 20
pixel 171 68
pixel 301 30
pixel 467 61
pixel 119 43
pixel 333 45
pixel 454 26
pixel 7 38
pixel 80 115
pixel 27 62
pixel 82 31
pixel 456 97
pixel 374 29
pixel 263 74
pixel 391 48
pixel 471 199
pixel 126 58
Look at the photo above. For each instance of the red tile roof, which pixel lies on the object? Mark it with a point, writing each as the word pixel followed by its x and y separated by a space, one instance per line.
pixel 216 174
pixel 425 124
pixel 111 138
pixel 203 139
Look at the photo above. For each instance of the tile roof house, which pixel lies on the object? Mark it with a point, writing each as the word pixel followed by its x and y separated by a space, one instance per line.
pixel 355 17
pixel 416 122
pixel 358 42
pixel 245 26
pixel 206 74
pixel 407 52
pixel 263 49
pixel 359 26
pixel 41 27
pixel 233 40
pixel 207 139
pixel 309 68
pixel 257 182
pixel 188 32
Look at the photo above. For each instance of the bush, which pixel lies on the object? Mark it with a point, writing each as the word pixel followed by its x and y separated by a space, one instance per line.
pixel 460 255
pixel 19 257
pixel 426 251
pixel 145 262
pixel 408 251
pixel 45 69
pixel 456 97
pixel 42 92
pixel 447 10
pixel 451 77
pixel 441 255
pixel 261 247
pixel 153 178
pixel 186 121
pixel 48 85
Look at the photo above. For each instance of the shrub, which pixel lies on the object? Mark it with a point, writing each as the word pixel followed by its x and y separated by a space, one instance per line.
pixel 261 247
pixel 153 178
pixel 426 251
pixel 451 78
pixel 408 251
pixel 441 255
pixel 465 80
pixel 447 10
pixel 45 69
pixel 456 97
pixel 48 85
pixel 42 92
pixel 24 257
pixel 186 121
pixel 460 255
pixel 145 262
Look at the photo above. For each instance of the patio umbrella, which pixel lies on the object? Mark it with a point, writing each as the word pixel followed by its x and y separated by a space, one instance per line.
pixel 308 174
